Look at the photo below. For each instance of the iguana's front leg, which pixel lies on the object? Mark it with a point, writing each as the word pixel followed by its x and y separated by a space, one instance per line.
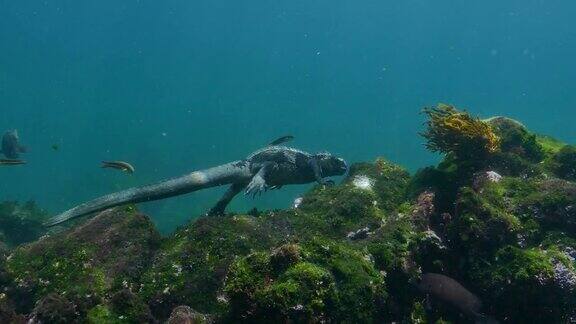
pixel 258 183
pixel 318 173
pixel 220 207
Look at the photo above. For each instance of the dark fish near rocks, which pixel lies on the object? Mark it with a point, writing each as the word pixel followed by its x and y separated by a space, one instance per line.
pixel 120 165
pixel 450 291
pixel 281 140
pixel 5 162
pixel 11 147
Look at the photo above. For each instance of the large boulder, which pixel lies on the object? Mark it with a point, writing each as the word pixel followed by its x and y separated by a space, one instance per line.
pixel 544 278
pixel 186 315
pixel 82 266
pixel 192 263
pixel 515 138
pixel 318 281
pixel 549 203
pixel 563 163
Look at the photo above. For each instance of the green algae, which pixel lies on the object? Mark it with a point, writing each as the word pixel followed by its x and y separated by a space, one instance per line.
pixel 389 182
pixel 82 265
pixel 335 211
pixel 390 245
pixel 550 204
pixel 563 163
pixel 515 138
pixel 549 144
pixel 502 239
pixel 191 265
pixel 123 307
pixel 103 315
pixel 332 282
pixel 481 224
pixel 65 269
pixel 558 240
pixel 528 273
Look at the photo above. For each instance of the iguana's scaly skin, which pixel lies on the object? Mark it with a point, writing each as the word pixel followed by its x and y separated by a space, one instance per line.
pixel 268 168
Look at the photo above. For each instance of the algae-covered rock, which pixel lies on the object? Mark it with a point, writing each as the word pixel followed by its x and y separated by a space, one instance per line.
pixel 551 203
pixel 21 223
pixel 388 181
pixel 186 315
pixel 130 313
pixel 4 250
pixel 498 214
pixel 335 211
pixel 507 238
pixel 126 304
pixel 520 152
pixel 332 282
pixel 423 211
pixel 54 308
pixel 481 223
pixel 563 163
pixel 191 265
pixel 549 144
pixel 8 312
pixel 84 264
pixel 561 241
pixel 392 247
pixel 390 244
pixel 515 138
pixel 528 285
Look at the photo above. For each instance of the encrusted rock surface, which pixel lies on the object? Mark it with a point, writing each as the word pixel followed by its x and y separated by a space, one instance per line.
pixel 503 224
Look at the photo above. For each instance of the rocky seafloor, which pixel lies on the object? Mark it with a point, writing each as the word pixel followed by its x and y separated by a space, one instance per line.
pixel 497 215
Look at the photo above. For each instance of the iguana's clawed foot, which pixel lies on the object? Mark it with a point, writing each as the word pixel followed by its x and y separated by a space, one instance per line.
pixel 256 187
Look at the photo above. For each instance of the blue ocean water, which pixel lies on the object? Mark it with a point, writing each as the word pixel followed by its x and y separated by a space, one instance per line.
pixel 175 86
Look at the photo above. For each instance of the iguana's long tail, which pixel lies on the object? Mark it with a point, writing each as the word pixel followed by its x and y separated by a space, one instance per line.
pixel 217 176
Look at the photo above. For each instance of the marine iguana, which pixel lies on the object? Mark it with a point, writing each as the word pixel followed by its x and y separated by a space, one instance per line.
pixel 269 168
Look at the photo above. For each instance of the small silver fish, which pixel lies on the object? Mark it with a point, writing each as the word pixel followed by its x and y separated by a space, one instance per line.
pixel 119 165
pixel 281 140
pixel 7 162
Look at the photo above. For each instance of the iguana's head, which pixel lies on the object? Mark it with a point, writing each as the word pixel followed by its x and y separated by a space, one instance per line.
pixel 330 165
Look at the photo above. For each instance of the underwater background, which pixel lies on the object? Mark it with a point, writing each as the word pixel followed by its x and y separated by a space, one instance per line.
pixel 176 86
